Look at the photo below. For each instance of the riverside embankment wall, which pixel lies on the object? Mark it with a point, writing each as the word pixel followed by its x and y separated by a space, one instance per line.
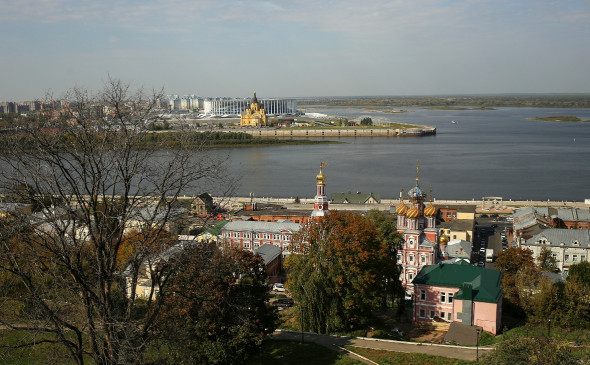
pixel 344 132
pixel 307 203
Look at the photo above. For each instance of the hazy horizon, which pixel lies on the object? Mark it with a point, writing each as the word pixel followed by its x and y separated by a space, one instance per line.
pixel 300 48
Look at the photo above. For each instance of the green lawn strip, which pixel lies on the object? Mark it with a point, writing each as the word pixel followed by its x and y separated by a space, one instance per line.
pixel 39 353
pixel 579 336
pixel 402 358
pixel 296 353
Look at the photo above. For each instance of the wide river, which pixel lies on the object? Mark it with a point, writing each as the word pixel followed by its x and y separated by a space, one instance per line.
pixel 484 153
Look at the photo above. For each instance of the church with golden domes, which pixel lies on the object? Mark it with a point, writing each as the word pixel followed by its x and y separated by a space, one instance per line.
pixel 422 245
pixel 255 116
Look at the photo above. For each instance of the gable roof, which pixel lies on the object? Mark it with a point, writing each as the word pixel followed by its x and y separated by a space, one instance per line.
pixel 556 236
pixel 354 198
pixel 264 227
pixel 268 252
pixel 486 283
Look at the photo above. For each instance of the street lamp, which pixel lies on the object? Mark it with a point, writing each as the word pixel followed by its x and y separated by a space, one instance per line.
pixel 301 307
pixel 478 331
pixel 549 327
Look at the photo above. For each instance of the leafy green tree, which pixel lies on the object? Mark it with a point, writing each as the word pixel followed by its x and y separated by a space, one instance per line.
pixel 511 262
pixel 576 302
pixel 547 301
pixel 582 271
pixel 387 227
pixel 342 272
pixel 546 261
pixel 366 121
pixel 527 284
pixel 218 311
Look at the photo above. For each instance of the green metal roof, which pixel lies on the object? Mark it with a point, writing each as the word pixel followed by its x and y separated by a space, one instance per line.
pixel 216 229
pixel 486 283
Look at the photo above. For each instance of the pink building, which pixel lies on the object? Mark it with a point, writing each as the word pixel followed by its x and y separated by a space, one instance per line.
pixel 459 292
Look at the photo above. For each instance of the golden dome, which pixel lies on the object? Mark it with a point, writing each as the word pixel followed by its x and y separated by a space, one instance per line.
pixel 443 239
pixel 430 210
pixel 321 178
pixel 401 209
pixel 413 213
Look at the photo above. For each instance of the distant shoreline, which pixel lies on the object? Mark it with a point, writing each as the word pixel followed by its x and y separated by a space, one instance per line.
pixel 559 118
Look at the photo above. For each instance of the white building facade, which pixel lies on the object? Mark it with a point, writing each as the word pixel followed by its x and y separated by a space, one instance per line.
pixel 235 107
pixel 567 246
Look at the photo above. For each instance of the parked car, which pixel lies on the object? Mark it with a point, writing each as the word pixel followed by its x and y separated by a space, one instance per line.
pixel 283 302
pixel 278 287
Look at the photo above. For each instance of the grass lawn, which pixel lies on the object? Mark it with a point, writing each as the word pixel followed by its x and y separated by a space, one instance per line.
pixel 296 353
pixel 403 358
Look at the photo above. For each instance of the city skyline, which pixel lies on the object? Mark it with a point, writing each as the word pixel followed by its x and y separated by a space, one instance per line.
pixel 296 49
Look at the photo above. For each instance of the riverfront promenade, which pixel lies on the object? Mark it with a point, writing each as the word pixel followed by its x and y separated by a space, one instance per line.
pixel 504 207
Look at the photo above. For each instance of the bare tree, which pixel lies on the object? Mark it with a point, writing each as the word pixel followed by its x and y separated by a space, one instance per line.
pixel 104 191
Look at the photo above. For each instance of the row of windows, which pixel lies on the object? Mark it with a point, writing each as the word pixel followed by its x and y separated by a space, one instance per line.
pixel 574 258
pixel 444 315
pixel 423 259
pixel 445 297
pixel 267 236
pixel 544 241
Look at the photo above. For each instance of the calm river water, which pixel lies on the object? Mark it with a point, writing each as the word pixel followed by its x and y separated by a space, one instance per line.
pixel 484 153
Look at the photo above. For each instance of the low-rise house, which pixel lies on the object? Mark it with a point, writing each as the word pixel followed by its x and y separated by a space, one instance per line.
pixel 273 261
pixel 567 246
pixel 355 198
pixel 264 212
pixel 459 293
pixel 7 209
pixel 460 249
pixel 458 229
pixel 202 205
pixel 447 213
pixel 530 221
pixel 573 218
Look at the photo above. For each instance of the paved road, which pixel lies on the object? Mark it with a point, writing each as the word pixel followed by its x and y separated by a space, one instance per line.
pixel 457 352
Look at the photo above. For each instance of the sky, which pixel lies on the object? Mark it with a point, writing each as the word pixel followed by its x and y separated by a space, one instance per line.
pixel 296 48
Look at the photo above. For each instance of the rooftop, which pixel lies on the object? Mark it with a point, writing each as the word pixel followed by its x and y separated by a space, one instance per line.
pixel 556 236
pixel 255 226
pixel 486 283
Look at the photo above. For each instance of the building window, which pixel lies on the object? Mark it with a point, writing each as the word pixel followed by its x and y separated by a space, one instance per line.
pixel 422 313
pixel 582 258
pixel 450 297
pixel 450 316
pixel 567 257
pixel 442 315
pixel 454 236
pixel 410 276
pixel 422 294
pixel 443 297
pixel 399 258
pixel 574 258
pixel 423 259
pixel 411 258
pixel 431 314
pixel 448 214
